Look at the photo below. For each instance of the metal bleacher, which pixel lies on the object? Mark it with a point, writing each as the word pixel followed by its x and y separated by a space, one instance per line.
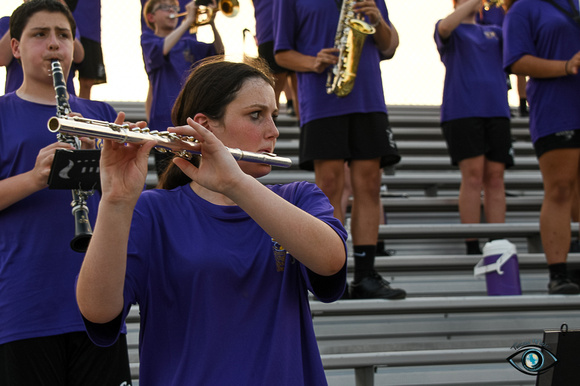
pixel 447 331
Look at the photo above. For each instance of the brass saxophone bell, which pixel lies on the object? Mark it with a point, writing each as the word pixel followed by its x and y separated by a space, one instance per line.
pixel 349 40
pixel 359 30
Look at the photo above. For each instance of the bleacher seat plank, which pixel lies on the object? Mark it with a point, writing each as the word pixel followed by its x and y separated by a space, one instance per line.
pixel 415 358
pixel 520 180
pixel 442 162
pixel 448 263
pixel 448 204
pixel 499 230
pixel 447 305
pixel 408 147
pixel 528 230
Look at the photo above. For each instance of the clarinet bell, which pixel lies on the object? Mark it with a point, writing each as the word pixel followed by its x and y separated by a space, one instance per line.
pixel 83 231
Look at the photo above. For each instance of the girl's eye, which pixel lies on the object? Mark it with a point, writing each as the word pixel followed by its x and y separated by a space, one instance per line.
pixel 255 114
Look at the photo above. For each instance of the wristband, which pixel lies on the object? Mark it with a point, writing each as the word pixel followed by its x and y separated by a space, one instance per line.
pixel 566 68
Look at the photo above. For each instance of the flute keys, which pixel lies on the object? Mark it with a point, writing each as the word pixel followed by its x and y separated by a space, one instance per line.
pixel 184 154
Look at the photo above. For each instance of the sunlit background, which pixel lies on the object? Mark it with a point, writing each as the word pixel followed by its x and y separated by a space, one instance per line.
pixel 413 77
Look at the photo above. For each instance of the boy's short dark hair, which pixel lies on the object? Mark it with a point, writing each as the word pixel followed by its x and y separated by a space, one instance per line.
pixel 25 11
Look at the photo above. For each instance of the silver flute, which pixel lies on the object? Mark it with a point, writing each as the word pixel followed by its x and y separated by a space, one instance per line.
pixel 183 146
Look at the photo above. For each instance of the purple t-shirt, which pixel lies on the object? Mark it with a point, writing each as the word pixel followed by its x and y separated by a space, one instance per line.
pixel 475 82
pixel 263 13
pixel 87 15
pixel 221 303
pixel 308 26
pixel 37 265
pixel 537 28
pixel 168 73
pixel 493 16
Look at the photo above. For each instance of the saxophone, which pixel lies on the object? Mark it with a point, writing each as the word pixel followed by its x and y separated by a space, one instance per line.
pixel 349 40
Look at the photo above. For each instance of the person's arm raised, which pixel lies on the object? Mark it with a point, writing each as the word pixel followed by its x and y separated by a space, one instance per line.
pixel 463 11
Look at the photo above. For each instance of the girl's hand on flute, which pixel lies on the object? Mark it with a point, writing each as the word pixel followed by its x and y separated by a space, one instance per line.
pixel 124 168
pixel 218 170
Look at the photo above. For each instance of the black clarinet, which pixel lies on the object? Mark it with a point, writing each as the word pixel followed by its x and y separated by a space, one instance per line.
pixel 80 210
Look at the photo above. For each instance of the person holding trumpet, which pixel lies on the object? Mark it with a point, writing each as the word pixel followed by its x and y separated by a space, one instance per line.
pixel 475 114
pixel 221 265
pixel 169 54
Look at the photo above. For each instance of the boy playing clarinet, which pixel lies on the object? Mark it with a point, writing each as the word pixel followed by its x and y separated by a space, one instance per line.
pixel 42 338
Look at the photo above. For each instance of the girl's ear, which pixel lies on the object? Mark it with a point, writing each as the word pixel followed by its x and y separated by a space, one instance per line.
pixel 203 120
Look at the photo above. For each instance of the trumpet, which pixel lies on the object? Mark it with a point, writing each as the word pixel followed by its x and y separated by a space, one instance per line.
pixel 490 3
pixel 229 8
pixel 182 146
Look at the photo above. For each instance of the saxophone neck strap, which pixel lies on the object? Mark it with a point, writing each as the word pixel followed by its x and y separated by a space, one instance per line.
pixel 573 13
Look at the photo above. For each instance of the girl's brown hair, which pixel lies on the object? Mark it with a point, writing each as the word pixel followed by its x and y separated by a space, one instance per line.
pixel 209 89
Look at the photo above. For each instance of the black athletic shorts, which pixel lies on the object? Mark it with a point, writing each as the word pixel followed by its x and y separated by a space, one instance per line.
pixel 473 137
pixel 65 360
pixel 356 136
pixel 562 140
pixel 92 66
pixel 266 52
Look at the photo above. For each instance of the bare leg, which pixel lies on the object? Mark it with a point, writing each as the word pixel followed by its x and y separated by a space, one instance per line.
pixel 470 196
pixel 521 84
pixel 560 174
pixel 366 184
pixel 293 82
pixel 575 216
pixel 347 191
pixel 329 176
pixel 494 192
pixel 280 83
pixel 85 87
pixel 148 102
pixel 470 189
